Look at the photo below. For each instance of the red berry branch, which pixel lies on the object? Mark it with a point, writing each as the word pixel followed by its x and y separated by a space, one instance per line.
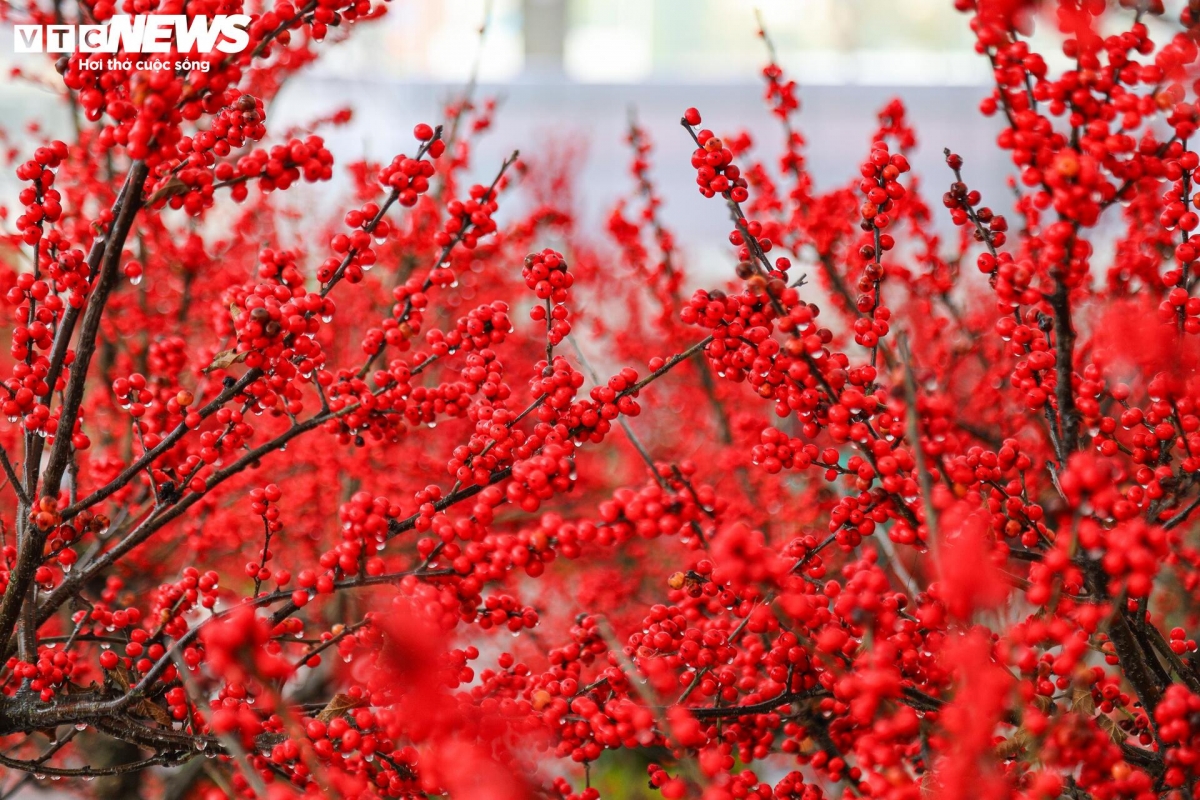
pixel 328 510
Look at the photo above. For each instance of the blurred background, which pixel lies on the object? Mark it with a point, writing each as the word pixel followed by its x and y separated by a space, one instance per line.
pixel 567 73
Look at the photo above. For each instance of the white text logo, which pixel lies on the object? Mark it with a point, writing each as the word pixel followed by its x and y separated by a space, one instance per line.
pixel 143 33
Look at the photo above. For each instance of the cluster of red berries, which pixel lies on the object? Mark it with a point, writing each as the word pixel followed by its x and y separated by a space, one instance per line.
pixel 469 220
pixel 539 477
pixel 989 227
pixel 716 174
pixel 546 274
pixel 504 611
pixel 43 203
pixel 591 419
pixel 881 186
pixel 1178 718
pixel 188 181
pixel 28 382
pixel 1132 554
pixel 264 502
pixel 50 674
pixel 408 177
pixel 236 643
pixel 279 167
pixel 482 328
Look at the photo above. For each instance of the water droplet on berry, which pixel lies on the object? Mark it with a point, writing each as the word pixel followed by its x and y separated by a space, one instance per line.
pixel 135 280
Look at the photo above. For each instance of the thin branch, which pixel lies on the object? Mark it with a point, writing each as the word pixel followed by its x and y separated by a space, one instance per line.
pixel 914 435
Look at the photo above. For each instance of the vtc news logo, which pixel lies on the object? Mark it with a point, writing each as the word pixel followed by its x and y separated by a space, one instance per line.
pixel 141 33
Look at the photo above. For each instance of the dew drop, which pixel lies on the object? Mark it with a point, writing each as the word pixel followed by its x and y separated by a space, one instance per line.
pixel 135 280
pixel 81 726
